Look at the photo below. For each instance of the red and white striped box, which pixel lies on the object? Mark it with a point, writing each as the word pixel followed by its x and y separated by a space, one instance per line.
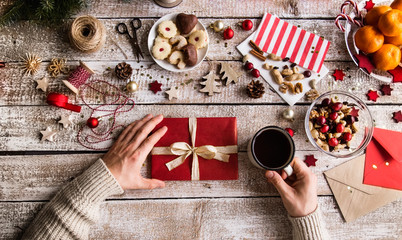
pixel 286 40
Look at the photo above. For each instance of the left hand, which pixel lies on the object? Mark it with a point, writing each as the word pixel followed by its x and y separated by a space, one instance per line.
pixel 127 155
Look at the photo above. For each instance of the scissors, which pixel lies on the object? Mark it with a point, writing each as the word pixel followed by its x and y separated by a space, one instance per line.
pixel 135 25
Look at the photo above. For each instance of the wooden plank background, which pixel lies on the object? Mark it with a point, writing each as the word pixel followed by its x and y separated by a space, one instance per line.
pixel 31 171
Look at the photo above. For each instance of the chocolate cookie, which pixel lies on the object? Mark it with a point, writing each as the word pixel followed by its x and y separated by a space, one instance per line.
pixel 190 54
pixel 186 22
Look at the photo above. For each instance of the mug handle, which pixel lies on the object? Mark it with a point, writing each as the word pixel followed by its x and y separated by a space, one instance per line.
pixel 288 170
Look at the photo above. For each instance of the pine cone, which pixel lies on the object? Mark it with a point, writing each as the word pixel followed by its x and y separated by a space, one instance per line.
pixel 255 89
pixel 123 71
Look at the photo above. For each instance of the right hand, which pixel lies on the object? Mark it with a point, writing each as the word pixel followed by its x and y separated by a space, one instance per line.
pixel 299 191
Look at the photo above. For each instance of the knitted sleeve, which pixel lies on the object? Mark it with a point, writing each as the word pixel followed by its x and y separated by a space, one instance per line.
pixel 311 227
pixel 75 207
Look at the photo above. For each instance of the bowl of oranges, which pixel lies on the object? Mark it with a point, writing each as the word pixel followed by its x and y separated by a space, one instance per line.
pixel 379 40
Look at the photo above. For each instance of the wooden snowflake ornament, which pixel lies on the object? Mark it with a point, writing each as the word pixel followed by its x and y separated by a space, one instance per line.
pixel 211 86
pixel 229 73
pixel 31 63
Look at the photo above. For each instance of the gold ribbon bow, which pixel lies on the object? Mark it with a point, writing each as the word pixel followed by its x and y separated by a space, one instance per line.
pixel 184 150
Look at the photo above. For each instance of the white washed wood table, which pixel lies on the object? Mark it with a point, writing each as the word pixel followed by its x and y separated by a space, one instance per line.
pixel 249 208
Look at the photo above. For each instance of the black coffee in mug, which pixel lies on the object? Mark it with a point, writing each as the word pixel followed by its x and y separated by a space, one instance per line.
pixel 272 148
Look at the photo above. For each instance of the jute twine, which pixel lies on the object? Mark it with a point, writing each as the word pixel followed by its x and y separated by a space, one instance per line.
pixel 87 34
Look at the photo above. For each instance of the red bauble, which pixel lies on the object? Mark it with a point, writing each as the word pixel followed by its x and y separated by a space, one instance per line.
pixel 255 73
pixel 228 33
pixel 248 66
pixel 290 131
pixel 247 25
pixel 92 122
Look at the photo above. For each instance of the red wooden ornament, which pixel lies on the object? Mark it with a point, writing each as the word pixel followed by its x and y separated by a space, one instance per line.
pixel 92 122
pixel 310 160
pixel 372 95
pixel 338 75
pixel 155 86
pixel 290 131
pixel 386 89
pixel 364 62
pixel 369 5
pixel 397 116
pixel 396 74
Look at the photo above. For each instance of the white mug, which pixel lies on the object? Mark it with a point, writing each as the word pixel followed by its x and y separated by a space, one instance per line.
pixel 260 164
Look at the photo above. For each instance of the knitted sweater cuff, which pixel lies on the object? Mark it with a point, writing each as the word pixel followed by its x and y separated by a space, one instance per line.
pixel 97 182
pixel 309 227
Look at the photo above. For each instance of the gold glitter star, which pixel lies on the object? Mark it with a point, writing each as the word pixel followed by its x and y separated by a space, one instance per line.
pixel 173 93
pixel 48 134
pixel 43 84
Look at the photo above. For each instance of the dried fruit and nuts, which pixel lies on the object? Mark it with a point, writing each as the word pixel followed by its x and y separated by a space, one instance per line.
pixel 331 124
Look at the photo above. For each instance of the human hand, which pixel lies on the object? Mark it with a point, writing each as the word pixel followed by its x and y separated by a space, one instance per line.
pixel 125 158
pixel 299 191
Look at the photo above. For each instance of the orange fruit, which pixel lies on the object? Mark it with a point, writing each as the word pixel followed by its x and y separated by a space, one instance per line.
pixel 397 40
pixel 387 58
pixel 397 4
pixel 390 23
pixel 374 14
pixel 369 39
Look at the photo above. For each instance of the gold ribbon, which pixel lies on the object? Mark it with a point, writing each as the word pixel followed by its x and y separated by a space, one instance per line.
pixel 184 150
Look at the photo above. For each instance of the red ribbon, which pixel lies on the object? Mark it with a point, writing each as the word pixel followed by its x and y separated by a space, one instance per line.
pixel 60 100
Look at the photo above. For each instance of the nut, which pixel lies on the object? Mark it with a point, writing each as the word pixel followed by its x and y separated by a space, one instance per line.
pixel 291 88
pixel 274 57
pixel 295 77
pixel 322 136
pixel 354 128
pixel 283 88
pixel 347 130
pixel 314 114
pixel 313 84
pixel 314 134
pixel 298 88
pixel 310 125
pixel 295 69
pixel 246 58
pixel 325 147
pixel 286 72
pixel 312 94
pixel 277 76
pixel 267 66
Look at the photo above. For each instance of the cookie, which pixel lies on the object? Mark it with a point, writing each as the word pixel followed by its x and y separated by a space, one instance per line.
pixel 161 50
pixel 190 54
pixel 177 57
pixel 179 41
pixel 198 39
pixel 167 29
pixel 159 39
pixel 186 22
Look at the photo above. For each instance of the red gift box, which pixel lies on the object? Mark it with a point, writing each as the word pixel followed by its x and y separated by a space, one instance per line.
pixel 196 149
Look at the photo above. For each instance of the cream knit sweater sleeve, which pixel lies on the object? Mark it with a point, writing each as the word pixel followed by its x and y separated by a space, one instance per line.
pixel 310 227
pixel 75 207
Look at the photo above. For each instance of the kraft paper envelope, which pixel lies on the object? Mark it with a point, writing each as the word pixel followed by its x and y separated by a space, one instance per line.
pixel 354 198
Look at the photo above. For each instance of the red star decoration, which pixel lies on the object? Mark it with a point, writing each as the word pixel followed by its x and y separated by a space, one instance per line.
pixel 310 160
pixel 396 74
pixel 338 74
pixel 155 86
pixel 372 95
pixel 369 5
pixel 354 112
pixel 386 89
pixel 364 62
pixel 397 116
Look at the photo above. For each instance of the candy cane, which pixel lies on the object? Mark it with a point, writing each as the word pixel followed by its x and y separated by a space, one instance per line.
pixel 344 16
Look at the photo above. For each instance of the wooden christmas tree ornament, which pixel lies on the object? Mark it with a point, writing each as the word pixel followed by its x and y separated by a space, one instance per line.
pixel 229 73
pixel 210 84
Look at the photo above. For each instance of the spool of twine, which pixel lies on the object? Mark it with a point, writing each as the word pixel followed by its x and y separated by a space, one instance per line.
pixel 87 34
pixel 78 77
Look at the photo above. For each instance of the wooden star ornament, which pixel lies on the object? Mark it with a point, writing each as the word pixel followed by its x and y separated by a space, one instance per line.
pixel 338 75
pixel 386 89
pixel 155 87
pixel 372 95
pixel 43 84
pixel 310 160
pixel 48 134
pixel 369 5
pixel 364 62
pixel 173 93
pixel 65 120
pixel 397 116
pixel 396 74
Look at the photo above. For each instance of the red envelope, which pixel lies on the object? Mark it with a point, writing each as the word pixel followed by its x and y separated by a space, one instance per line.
pixel 210 131
pixel 383 166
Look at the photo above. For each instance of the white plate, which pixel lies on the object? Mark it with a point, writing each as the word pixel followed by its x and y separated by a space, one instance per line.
pixel 153 33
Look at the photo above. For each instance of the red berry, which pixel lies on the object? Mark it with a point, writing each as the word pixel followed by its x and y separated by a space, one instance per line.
pixel 228 33
pixel 290 131
pixel 333 142
pixel 324 129
pixel 333 116
pixel 248 66
pixel 340 128
pixel 337 106
pixel 255 73
pixel 325 102
pixel 247 25
pixel 347 136
pixel 321 120
pixel 92 122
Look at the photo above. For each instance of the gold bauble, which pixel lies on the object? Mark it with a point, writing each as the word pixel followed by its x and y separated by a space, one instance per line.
pixel 217 26
pixel 288 114
pixel 132 86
